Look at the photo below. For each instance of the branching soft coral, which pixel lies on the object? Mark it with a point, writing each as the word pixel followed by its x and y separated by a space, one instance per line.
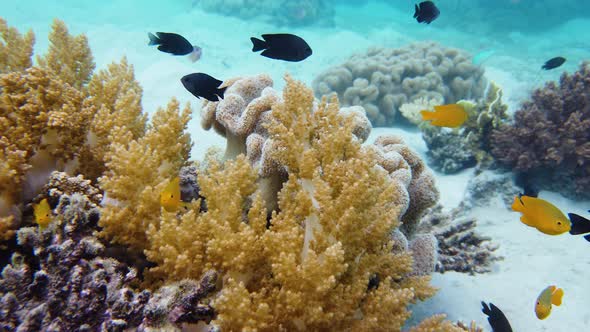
pixel 51 119
pixel 138 170
pixel 308 266
pixel 15 49
pixel 69 57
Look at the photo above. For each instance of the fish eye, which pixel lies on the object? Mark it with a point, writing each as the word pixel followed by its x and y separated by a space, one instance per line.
pixel 559 222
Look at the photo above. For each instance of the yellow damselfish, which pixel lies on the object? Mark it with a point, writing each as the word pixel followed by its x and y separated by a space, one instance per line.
pixel 542 215
pixel 42 213
pixel 550 295
pixel 451 115
pixel 170 197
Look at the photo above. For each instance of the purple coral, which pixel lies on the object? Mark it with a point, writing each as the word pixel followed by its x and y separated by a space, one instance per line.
pixel 60 282
pixel 549 140
pixel 61 279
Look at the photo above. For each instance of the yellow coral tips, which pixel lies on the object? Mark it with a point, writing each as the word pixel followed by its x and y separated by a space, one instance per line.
pixel 549 296
pixel 542 215
pixel 42 213
pixel 451 115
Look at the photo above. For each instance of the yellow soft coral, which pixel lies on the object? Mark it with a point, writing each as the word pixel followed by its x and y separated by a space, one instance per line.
pixel 15 49
pixel 308 266
pixel 116 95
pixel 136 172
pixel 51 119
pixel 69 57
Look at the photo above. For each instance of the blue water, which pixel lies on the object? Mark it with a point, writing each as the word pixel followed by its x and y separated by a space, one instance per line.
pixel 523 34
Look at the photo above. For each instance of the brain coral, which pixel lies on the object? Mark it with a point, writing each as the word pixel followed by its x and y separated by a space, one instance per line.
pixel 382 79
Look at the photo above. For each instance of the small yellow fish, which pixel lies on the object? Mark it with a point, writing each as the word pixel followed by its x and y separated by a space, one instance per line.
pixel 542 215
pixel 451 115
pixel 170 197
pixel 549 295
pixel 42 213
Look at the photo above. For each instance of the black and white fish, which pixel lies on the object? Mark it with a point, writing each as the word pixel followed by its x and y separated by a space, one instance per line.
pixel 553 63
pixel 203 85
pixel 496 318
pixel 176 44
pixel 426 12
pixel 282 46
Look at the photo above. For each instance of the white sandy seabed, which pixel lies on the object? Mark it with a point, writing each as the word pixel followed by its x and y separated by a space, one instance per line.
pixel 532 260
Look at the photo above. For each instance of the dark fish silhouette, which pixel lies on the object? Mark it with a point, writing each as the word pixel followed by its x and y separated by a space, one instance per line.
pixel 203 85
pixel 282 46
pixel 553 63
pixel 426 12
pixel 175 44
pixel 496 318
pixel 580 225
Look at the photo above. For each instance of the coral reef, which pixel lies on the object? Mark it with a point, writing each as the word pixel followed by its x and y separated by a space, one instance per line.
pixel 60 116
pixel 319 254
pixel 382 80
pixel 311 262
pixel 460 248
pixel 278 12
pixel 451 151
pixel 62 279
pixel 549 139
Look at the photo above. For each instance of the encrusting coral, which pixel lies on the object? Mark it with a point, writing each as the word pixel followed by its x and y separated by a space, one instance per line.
pixel 549 139
pixel 382 80
pixel 62 278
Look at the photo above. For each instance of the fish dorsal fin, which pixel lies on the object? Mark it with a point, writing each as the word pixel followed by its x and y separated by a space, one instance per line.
pixel 557 296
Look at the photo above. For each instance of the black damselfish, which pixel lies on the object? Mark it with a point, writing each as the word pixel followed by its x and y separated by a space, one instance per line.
pixel 426 12
pixel 203 85
pixel 580 225
pixel 282 46
pixel 553 63
pixel 496 318
pixel 174 43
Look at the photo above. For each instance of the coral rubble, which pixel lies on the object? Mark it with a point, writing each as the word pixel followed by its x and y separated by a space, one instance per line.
pixel 382 80
pixel 549 140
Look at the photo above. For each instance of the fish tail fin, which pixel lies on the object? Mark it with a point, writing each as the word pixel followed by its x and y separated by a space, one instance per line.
pixel 153 39
pixel 257 44
pixel 417 11
pixel 221 92
pixel 427 115
pixel 557 296
pixel 580 225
